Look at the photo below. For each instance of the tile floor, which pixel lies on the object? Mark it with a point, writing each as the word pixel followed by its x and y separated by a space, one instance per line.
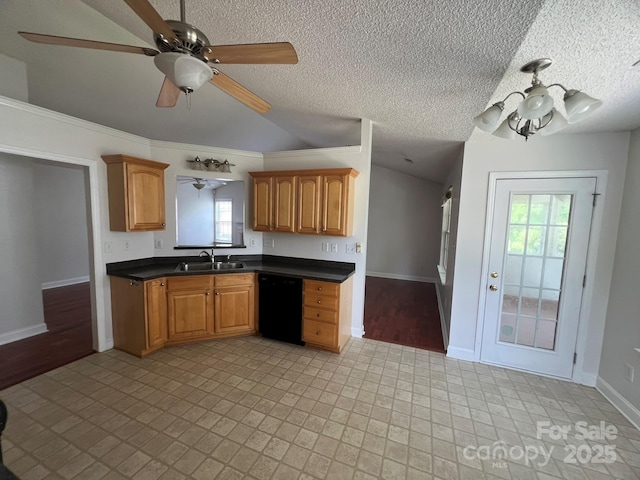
pixel 255 408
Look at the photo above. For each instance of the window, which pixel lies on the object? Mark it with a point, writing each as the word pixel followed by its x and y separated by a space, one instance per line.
pixel 223 220
pixel 444 236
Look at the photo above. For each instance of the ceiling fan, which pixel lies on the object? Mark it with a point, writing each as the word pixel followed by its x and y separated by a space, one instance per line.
pixel 184 55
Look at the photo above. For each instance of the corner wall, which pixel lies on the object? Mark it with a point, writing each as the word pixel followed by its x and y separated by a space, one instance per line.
pixel 602 151
pixel 404 232
pixel 622 328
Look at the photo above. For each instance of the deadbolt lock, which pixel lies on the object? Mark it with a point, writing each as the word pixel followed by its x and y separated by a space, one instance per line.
pixel 494 274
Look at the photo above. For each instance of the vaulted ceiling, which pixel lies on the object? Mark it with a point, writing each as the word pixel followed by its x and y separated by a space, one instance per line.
pixel 420 70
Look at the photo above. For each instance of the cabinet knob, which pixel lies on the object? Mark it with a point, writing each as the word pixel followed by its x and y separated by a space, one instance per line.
pixel 134 283
pixel 319 289
pixel 319 301
pixel 207 293
pixel 162 284
pixel 164 224
pixel 217 292
pixel 318 332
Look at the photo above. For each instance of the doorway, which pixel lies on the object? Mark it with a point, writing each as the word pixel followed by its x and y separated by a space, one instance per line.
pixel 47 319
pixel 539 239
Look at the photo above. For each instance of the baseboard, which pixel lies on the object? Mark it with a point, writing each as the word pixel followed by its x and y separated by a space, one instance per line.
pixel 395 276
pixel 588 379
pixel 622 404
pixel 461 353
pixel 357 332
pixel 65 282
pixel 22 333
pixel 443 324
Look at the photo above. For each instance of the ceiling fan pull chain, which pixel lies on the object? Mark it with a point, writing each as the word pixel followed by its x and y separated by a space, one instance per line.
pixel 188 95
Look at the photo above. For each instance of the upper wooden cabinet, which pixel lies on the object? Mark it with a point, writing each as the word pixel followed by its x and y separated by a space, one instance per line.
pixel 320 203
pixel 136 193
pixel 274 203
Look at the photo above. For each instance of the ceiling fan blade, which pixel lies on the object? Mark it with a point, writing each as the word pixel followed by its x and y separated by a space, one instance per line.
pixel 79 42
pixel 237 91
pixel 152 18
pixel 280 52
pixel 169 94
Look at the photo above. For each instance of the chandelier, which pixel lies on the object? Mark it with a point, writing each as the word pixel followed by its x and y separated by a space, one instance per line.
pixel 536 112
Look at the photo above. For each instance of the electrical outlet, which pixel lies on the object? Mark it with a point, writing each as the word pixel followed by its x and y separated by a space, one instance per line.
pixel 126 245
pixel 334 248
pixel 325 246
pixel 252 242
pixel 351 248
pixel 628 372
pixel 159 243
pixel 108 247
pixel 358 247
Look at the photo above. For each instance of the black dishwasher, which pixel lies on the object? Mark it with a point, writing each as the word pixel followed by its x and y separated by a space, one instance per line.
pixel 280 308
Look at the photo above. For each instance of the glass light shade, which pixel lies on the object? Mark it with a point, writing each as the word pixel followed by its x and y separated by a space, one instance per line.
pixel 185 72
pixel 557 123
pixel 537 104
pixel 578 105
pixel 488 120
pixel 505 131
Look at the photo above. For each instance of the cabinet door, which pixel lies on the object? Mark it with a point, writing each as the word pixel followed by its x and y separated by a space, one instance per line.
pixel 262 204
pixel 156 312
pixel 334 203
pixel 284 189
pixel 145 197
pixel 190 309
pixel 309 189
pixel 234 309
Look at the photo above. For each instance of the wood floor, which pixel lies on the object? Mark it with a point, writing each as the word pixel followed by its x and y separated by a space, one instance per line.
pixel 402 312
pixel 67 312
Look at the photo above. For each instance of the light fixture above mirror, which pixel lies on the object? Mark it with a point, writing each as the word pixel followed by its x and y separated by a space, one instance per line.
pixel 536 112
pixel 222 166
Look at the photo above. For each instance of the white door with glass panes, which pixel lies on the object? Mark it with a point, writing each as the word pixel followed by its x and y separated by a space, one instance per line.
pixel 535 277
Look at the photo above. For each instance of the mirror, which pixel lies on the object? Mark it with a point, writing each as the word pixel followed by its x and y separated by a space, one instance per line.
pixel 210 212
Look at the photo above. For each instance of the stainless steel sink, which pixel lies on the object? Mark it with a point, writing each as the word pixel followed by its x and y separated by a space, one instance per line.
pixel 203 266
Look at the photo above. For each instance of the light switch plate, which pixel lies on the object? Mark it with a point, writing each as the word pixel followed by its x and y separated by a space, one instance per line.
pixel 351 248
pixel 159 243
pixel 268 242
pixel 334 248
pixel 325 246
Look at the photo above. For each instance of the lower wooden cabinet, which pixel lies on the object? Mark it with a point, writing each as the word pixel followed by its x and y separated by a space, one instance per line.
pixel 234 304
pixel 139 314
pixel 326 320
pixel 189 307
pixel 169 311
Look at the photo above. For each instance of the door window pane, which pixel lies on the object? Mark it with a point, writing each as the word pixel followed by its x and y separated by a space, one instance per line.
pixel 533 269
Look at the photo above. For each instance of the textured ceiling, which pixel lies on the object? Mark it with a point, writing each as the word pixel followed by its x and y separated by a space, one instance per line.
pixel 420 70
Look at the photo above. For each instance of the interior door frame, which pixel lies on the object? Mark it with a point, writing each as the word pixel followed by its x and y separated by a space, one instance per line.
pixel 594 237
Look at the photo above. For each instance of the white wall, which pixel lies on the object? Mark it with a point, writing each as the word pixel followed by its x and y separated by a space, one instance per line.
pixel 602 151
pixel 61 213
pixel 622 329
pixel 21 312
pixel 310 246
pixel 445 290
pixel 404 226
pixel 13 78
pixel 194 214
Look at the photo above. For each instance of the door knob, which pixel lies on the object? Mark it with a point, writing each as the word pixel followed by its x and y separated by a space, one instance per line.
pixel 493 288
pixel 494 274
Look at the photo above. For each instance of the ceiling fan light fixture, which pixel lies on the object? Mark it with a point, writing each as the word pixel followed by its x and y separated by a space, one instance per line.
pixel 579 105
pixel 556 123
pixel 185 72
pixel 504 130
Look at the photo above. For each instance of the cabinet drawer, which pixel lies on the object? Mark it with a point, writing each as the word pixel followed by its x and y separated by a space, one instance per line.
pixel 322 288
pixel 328 316
pixel 320 301
pixel 320 333
pixel 233 279
pixel 192 282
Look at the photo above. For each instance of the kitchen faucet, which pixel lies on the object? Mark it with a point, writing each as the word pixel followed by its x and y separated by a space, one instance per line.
pixel 211 255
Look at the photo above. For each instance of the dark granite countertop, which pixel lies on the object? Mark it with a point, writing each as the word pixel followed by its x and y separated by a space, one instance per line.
pixel 156 267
